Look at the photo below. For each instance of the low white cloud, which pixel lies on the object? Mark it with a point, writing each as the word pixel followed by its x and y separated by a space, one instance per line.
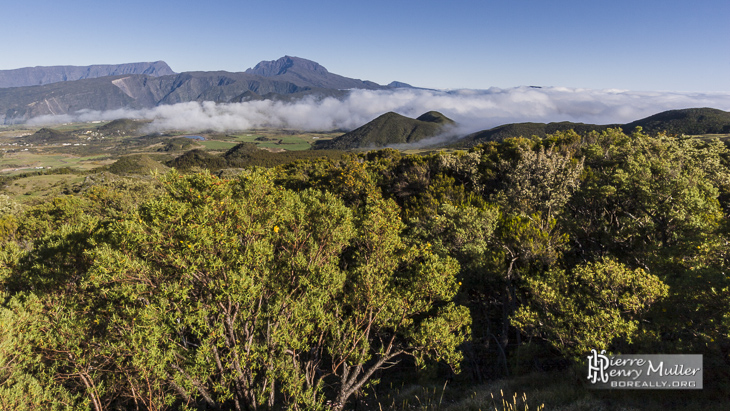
pixel 473 110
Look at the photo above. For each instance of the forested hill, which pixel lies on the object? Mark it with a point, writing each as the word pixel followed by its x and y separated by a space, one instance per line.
pixel 388 129
pixel 691 121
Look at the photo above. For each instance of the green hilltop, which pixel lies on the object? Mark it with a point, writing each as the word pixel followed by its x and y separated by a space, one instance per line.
pixel 692 121
pixel 137 164
pixel 49 135
pixel 122 127
pixel 389 129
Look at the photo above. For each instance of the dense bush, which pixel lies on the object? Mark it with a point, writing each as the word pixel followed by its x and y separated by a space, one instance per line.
pixel 296 286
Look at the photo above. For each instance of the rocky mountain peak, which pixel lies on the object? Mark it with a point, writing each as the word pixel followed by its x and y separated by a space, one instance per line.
pixel 285 64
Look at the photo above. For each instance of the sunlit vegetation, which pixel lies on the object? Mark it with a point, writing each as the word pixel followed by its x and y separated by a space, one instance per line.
pixel 464 280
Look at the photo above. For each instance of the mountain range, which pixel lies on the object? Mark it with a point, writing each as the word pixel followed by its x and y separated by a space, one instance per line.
pixel 66 90
pixel 38 76
pixel 37 91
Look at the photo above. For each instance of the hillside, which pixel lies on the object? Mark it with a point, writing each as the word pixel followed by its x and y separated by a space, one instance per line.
pixel 541 130
pixel 17 105
pixel 36 76
pixel 137 164
pixel 48 135
pixel 389 129
pixel 284 79
pixel 307 73
pixel 693 121
pixel 122 127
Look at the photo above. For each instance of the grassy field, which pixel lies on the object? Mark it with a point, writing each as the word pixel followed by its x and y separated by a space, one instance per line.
pixel 283 139
pixel 29 189
pixel 217 145
pixel 97 147
pixel 101 150
pixel 29 160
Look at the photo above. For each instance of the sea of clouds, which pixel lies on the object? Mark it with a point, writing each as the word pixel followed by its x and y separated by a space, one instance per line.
pixel 473 110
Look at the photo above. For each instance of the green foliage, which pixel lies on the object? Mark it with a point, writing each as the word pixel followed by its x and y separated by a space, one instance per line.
pixel 245 155
pixel 8 206
pixel 136 164
pixel 198 158
pixel 540 182
pixel 588 307
pixel 122 127
pixel 466 233
pixel 389 129
pixel 223 292
pixel 692 121
pixel 296 285
pixel 649 200
pixel 179 144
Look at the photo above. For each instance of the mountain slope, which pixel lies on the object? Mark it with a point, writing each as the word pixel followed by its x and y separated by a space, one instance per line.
pixel 19 104
pixel 541 130
pixel 36 76
pixel 284 79
pixel 304 72
pixel 692 121
pixel 22 103
pixel 388 129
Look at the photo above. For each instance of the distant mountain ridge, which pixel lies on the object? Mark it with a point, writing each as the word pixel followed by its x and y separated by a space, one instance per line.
pixel 306 72
pixel 37 76
pixel 284 79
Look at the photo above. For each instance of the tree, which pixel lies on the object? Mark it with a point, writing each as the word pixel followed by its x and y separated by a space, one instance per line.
pixel 225 293
pixel 588 307
pixel 535 190
pixel 648 200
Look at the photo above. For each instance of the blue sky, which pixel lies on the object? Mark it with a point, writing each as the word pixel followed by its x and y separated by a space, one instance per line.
pixel 634 45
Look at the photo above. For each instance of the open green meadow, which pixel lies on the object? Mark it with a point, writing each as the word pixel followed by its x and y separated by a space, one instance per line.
pixel 216 145
pixel 45 153
pixel 33 188
pixel 39 160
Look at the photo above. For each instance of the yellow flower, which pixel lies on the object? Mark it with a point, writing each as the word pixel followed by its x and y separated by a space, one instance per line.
pixel 276 228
